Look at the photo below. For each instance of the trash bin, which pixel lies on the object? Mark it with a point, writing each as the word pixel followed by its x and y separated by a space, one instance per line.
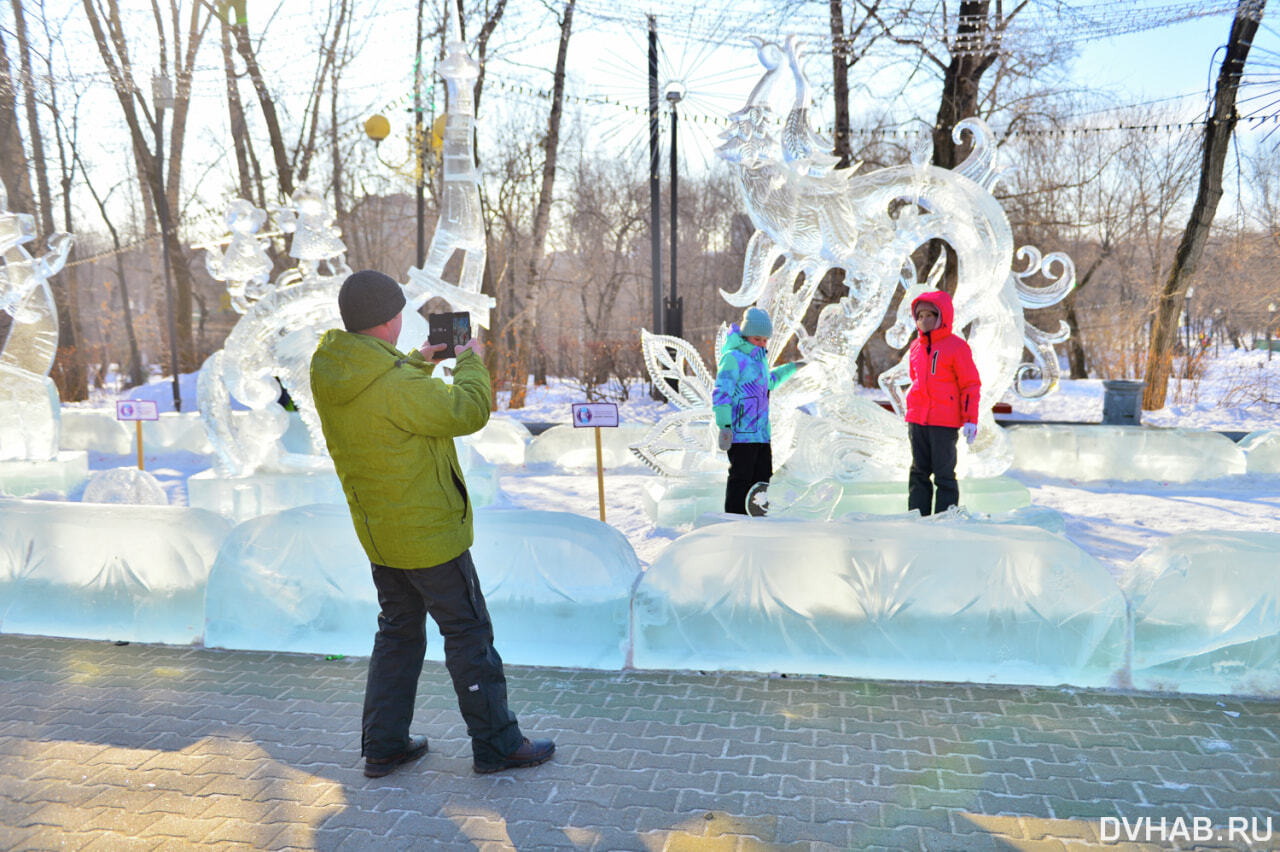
pixel 1122 402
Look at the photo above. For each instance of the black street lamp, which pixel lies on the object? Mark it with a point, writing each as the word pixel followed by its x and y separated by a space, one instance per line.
pixel 674 324
pixel 162 95
pixel 1187 308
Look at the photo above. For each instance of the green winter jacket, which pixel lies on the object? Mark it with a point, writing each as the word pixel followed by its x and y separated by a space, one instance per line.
pixel 390 428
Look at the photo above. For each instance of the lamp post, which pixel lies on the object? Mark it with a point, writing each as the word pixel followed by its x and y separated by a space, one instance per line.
pixel 162 95
pixel 674 324
pixel 378 128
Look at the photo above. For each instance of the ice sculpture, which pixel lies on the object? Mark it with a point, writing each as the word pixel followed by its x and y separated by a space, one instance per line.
pixel 133 573
pixel 124 485
pixel 882 599
pixel 459 227
pixel 558 587
pixel 1206 614
pixel 1262 451
pixel 812 218
pixel 1127 453
pixel 271 345
pixel 29 404
pixel 244 264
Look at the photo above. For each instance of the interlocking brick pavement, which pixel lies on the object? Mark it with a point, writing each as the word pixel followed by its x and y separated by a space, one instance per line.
pixel 151 747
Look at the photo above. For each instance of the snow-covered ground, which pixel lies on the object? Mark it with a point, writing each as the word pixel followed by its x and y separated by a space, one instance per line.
pixel 1113 520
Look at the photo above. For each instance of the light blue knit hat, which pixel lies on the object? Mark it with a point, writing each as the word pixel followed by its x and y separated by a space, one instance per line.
pixel 756 323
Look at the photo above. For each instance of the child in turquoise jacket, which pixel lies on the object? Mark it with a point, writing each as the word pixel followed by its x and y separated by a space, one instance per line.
pixel 741 405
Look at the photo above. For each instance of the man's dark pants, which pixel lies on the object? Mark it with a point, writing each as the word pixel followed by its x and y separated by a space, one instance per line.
pixel 748 464
pixel 450 592
pixel 933 452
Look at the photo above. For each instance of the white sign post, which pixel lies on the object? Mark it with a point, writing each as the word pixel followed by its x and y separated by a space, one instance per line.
pixel 596 415
pixel 137 410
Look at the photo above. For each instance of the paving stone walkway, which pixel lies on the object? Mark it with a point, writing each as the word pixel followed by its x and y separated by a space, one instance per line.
pixel 148 747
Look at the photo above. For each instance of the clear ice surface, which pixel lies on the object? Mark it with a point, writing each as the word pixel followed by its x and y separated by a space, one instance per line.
pixel 96 430
pixel 1206 613
pixel 88 571
pixel 30 415
pixel 1127 453
pixel 61 475
pixel 572 448
pixel 1262 451
pixel 124 485
pixel 896 599
pixel 558 587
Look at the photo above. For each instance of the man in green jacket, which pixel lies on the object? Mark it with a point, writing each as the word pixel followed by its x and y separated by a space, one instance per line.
pixel 390 427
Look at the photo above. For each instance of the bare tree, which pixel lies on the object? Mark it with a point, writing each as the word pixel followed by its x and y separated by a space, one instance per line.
pixel 68 369
pixel 1217 139
pixel 159 174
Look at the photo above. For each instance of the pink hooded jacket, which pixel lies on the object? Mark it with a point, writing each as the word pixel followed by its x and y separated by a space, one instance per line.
pixel 944 380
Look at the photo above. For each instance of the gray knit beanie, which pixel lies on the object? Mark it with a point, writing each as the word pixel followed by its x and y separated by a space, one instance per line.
pixel 369 298
pixel 756 323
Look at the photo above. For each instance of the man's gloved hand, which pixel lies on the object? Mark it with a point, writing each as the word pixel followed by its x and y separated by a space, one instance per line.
pixel 970 431
pixel 725 438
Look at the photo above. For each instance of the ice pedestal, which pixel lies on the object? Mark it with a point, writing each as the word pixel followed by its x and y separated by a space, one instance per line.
pixel 674 502
pixel 905 599
pixel 243 497
pixel 1262 451
pixel 574 449
pixel 298 480
pixel 96 430
pixel 1206 614
pixel 59 475
pixel 131 573
pixel 557 586
pixel 1124 452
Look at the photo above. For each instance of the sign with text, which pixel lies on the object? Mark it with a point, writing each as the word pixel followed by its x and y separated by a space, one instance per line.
pixel 596 414
pixel 136 409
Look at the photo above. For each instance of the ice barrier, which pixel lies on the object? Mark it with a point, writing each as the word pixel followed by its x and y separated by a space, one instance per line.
pixel 1262 451
pixel 1206 614
pixel 573 449
pixel 501 441
pixel 132 573
pixel 1125 453
pixel 96 430
pixel 59 475
pixel 558 587
pixel 672 502
pixel 882 599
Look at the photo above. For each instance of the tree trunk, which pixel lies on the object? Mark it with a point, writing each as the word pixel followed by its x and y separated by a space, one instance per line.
pixel 840 77
pixel 1217 140
pixel 542 214
pixel 68 371
pixel 235 109
pixel 284 171
pixel 13 156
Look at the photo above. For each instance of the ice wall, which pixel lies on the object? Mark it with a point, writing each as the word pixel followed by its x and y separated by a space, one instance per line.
pixel 134 573
pixel 96 430
pixel 1206 614
pixel 1125 453
pixel 558 587
pixel 501 441
pixel 1262 451
pixel 574 449
pixel 883 599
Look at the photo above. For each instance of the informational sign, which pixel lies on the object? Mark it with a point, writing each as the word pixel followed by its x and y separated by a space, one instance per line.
pixel 136 409
pixel 598 414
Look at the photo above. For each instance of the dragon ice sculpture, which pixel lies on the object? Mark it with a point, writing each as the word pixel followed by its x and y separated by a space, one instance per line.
pixel 811 217
pixel 282 324
pixel 30 417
